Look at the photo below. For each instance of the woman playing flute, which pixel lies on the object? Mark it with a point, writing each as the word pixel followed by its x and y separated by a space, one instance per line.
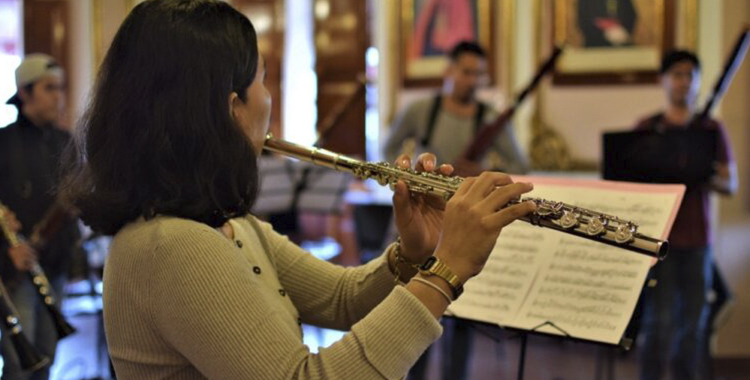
pixel 195 286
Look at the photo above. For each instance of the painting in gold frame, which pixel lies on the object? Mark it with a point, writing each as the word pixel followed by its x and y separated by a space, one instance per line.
pixel 430 28
pixel 612 41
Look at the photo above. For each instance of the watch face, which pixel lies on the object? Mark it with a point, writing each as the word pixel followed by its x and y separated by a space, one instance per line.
pixel 428 263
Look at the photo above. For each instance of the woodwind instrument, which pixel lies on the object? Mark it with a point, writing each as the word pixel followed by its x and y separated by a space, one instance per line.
pixel 38 278
pixel 29 358
pixel 730 68
pixel 559 216
pixel 486 136
pixel 719 285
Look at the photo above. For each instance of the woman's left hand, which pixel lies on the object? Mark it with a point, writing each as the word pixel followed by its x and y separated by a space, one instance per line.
pixel 419 217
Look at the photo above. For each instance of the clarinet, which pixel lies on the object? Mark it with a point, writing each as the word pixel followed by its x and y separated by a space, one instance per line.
pixel 28 356
pixel 558 216
pixel 40 281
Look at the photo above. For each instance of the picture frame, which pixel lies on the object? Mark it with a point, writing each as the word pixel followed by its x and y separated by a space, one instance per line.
pixel 430 28
pixel 612 41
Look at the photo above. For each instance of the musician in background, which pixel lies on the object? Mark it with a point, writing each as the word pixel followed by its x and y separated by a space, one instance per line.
pixel 30 150
pixel 196 287
pixel 675 318
pixel 446 124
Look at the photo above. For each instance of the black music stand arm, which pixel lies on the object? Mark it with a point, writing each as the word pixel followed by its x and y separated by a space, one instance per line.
pixel 522 356
pixel 524 342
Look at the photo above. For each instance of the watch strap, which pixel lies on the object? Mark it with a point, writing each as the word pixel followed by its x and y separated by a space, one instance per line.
pixel 434 267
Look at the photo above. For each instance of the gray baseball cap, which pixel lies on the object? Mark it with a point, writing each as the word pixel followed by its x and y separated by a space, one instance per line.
pixel 31 69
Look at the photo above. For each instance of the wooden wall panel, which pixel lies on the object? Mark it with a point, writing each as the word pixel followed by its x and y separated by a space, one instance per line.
pixel 341 41
pixel 45 30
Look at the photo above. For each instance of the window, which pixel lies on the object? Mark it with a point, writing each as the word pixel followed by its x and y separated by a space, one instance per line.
pixel 10 56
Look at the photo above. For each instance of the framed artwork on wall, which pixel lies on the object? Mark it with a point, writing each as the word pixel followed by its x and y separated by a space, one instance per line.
pixel 612 41
pixel 430 28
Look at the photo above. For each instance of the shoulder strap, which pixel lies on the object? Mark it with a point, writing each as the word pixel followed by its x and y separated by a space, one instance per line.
pixel 479 117
pixel 434 110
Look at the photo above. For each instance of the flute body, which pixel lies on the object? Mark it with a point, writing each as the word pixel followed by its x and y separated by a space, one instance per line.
pixel 559 216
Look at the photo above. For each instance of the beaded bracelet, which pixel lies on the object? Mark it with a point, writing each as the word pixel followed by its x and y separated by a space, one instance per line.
pixel 398 259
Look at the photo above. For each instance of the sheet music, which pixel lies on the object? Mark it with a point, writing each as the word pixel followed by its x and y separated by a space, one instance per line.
pixel 277 181
pixel 586 288
pixel 323 189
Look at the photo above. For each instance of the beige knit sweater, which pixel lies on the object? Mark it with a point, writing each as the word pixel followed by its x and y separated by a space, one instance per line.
pixel 181 301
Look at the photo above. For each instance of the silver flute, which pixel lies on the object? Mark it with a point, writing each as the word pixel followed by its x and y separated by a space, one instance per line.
pixel 558 216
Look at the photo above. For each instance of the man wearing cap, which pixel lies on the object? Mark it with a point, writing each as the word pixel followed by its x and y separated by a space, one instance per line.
pixel 30 150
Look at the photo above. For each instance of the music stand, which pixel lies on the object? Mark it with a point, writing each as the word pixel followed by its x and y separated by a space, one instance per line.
pixel 671 156
pixel 316 189
pixel 489 330
pixel 543 282
pixel 289 187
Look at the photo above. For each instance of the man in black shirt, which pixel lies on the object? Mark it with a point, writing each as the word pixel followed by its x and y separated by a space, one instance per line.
pixel 30 151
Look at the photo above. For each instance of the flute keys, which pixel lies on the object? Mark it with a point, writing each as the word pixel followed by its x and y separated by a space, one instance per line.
pixel 546 209
pixel 360 173
pixel 12 324
pixel 569 220
pixel 596 226
pixel 382 180
pixel 624 233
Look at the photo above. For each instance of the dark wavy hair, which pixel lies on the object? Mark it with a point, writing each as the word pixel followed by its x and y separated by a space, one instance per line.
pixel 158 136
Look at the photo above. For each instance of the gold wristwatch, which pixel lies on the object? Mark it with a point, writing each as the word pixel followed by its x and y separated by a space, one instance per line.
pixel 434 267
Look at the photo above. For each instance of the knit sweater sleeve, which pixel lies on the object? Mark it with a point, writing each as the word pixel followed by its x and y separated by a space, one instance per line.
pixel 207 306
pixel 325 294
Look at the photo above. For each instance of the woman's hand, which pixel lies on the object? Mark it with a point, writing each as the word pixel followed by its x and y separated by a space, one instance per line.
pixel 419 217
pixel 474 217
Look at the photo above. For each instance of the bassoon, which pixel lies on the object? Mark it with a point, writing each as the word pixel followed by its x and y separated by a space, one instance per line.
pixel 730 68
pixel 719 286
pixel 487 135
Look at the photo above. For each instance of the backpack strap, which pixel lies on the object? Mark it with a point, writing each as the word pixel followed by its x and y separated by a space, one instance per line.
pixel 434 110
pixel 479 117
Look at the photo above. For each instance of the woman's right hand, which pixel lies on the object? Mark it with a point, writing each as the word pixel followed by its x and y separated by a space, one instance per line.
pixel 473 219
